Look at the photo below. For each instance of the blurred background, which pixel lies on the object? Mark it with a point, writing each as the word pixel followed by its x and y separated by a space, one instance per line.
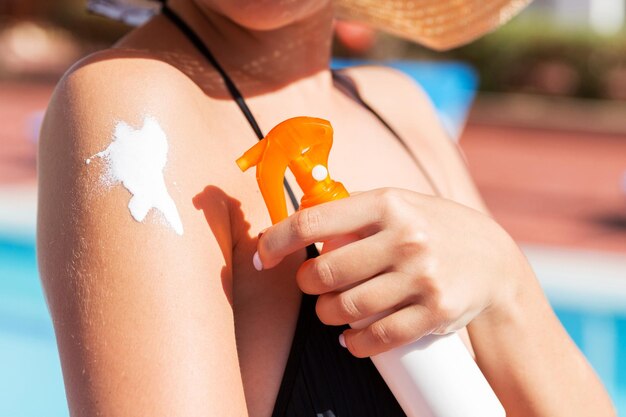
pixel 538 107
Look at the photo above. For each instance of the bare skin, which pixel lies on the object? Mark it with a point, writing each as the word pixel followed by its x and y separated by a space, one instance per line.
pixel 152 323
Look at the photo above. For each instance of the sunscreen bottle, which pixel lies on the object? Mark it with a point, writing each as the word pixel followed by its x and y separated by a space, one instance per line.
pixel 434 376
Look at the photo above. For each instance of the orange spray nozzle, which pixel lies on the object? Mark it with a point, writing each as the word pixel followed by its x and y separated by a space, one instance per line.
pixel 303 145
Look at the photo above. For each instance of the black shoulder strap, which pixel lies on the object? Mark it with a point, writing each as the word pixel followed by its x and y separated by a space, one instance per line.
pixel 230 85
pixel 350 88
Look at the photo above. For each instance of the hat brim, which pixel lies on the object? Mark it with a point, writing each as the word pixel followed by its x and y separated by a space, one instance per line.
pixel 437 24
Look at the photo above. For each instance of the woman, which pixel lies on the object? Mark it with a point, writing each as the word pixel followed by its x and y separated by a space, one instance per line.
pixel 158 313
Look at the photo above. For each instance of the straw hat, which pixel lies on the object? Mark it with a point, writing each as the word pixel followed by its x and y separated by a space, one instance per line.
pixel 438 24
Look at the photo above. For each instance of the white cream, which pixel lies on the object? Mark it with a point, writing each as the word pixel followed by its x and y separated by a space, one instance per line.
pixel 136 158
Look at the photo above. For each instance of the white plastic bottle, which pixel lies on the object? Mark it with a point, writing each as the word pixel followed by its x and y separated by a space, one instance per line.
pixel 436 377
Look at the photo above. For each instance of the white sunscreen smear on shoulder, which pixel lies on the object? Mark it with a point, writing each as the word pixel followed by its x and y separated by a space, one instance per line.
pixel 136 158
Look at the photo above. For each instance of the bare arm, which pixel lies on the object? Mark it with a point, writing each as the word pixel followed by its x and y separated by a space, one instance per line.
pixel 521 347
pixel 142 317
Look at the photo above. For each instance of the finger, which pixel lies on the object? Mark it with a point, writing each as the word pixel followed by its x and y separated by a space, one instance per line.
pixel 345 266
pixel 397 329
pixel 388 291
pixel 317 224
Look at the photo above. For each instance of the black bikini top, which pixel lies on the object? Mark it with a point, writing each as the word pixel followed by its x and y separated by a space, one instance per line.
pixel 321 378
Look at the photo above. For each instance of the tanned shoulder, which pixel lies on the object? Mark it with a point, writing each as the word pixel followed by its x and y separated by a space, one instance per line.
pixel 407 107
pixel 136 281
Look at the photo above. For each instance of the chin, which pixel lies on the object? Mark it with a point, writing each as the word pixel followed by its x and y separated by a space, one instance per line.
pixel 266 15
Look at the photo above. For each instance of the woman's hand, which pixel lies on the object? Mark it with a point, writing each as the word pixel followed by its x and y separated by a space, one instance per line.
pixel 428 264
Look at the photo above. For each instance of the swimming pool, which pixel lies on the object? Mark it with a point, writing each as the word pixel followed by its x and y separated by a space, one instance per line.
pixel 31 383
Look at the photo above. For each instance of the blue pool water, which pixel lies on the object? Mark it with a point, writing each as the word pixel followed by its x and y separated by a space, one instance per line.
pixel 31 383
pixel 30 373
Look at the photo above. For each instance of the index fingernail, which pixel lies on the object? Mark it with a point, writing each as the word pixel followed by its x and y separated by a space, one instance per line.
pixel 256 261
pixel 342 340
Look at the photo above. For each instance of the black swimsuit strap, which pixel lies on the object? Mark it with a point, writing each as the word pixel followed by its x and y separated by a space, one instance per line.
pixel 348 84
pixel 230 85
pixel 201 46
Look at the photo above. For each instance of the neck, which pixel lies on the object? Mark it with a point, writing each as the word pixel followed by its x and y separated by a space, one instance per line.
pixel 262 61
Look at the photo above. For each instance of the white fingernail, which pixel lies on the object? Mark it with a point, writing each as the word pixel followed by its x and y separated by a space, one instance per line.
pixel 256 261
pixel 342 340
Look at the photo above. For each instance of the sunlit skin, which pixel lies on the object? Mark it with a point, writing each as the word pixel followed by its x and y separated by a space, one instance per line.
pixel 152 323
